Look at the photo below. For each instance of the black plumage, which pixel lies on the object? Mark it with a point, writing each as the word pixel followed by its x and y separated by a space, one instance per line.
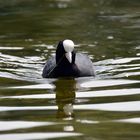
pixel 59 65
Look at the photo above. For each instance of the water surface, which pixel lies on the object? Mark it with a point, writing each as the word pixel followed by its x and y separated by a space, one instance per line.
pixel 104 107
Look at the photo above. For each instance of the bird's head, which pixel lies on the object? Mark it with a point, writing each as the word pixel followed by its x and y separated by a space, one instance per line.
pixel 65 49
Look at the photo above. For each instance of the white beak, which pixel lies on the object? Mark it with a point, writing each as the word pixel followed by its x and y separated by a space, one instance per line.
pixel 69 56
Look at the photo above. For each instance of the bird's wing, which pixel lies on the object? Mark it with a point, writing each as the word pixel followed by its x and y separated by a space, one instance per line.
pixel 84 65
pixel 49 66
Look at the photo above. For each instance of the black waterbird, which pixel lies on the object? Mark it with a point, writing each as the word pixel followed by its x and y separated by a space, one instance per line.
pixel 68 63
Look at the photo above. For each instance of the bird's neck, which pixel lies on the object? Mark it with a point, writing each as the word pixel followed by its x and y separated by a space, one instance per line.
pixel 62 60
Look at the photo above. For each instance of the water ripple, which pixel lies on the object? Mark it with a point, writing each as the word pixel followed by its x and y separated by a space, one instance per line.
pixel 28 136
pixel 130 120
pixel 118 106
pixel 11 125
pixel 106 83
pixel 10 108
pixel 82 94
pixel 107 93
pixel 11 48
pixel 37 86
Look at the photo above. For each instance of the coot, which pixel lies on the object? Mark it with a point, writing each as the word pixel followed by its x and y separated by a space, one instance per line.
pixel 68 63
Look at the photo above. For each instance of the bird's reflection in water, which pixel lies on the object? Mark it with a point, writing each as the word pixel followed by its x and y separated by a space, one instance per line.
pixel 65 97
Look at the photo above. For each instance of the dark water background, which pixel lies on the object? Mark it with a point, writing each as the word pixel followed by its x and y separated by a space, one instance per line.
pixel 105 107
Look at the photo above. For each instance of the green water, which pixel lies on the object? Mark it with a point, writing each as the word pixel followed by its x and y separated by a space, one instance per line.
pixel 104 107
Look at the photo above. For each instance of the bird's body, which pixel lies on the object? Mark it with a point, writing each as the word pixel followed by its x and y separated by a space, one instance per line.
pixel 60 65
